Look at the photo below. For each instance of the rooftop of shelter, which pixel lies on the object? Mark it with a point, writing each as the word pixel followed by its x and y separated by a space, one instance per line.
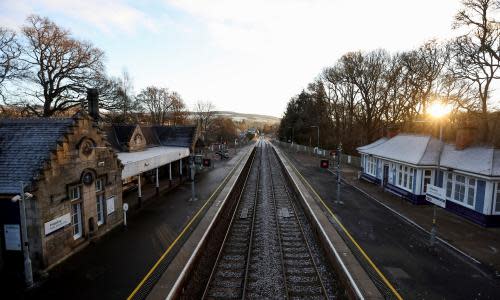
pixel 424 150
pixel 25 144
pixel 156 135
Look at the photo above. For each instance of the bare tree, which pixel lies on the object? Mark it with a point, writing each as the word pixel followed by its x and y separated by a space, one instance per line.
pixel 179 113
pixel 204 115
pixel 158 103
pixel 117 96
pixel 475 54
pixel 61 67
pixel 11 67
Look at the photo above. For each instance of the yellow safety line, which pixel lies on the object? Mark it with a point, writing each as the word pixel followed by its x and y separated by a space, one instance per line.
pixel 182 233
pixel 398 296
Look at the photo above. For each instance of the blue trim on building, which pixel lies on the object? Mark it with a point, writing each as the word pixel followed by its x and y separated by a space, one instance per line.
pixel 376 167
pixel 481 185
pixel 415 199
pixel 438 178
pixel 472 215
pixel 414 180
pixel 370 178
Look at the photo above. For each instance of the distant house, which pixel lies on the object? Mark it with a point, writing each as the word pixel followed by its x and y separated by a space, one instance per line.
pixel 470 175
pixel 74 177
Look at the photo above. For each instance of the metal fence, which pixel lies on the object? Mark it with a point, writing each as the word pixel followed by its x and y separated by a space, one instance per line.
pixel 354 161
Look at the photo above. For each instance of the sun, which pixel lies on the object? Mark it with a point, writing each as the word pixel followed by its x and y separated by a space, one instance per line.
pixel 438 109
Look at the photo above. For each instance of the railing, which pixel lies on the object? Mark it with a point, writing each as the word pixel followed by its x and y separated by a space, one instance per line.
pixel 354 161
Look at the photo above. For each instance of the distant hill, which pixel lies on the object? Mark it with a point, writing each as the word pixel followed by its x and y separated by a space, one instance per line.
pixel 247 117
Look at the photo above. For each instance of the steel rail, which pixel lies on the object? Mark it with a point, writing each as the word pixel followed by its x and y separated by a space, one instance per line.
pixel 219 254
pixel 278 229
pixel 290 199
pixel 250 242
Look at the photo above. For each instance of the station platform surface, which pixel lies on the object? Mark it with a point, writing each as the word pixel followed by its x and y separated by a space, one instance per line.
pixel 112 267
pixel 401 249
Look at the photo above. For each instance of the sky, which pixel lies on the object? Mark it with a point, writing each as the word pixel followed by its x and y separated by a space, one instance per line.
pixel 243 56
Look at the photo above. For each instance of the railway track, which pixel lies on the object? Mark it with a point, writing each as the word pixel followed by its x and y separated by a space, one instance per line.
pixel 269 250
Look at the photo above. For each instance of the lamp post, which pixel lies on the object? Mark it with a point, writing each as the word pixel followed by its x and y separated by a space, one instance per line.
pixel 193 170
pixel 317 127
pixel 292 133
pixel 339 153
pixel 28 273
pixel 437 111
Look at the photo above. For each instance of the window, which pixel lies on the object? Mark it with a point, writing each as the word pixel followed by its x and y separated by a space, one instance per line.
pixel 371 166
pixel 100 209
pixel 405 177
pixel 497 201
pixel 461 188
pixel 471 191
pixel 99 189
pixel 400 176
pixel 427 179
pixel 99 184
pixel 459 194
pixel 76 217
pixel 74 192
pixel 449 185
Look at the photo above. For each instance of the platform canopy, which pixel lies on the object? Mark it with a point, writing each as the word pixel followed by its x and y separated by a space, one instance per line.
pixel 136 163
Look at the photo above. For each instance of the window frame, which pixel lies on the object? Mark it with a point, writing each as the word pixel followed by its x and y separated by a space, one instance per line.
pixel 78 224
pixel 466 186
pixel 78 188
pixel 496 200
pixel 405 175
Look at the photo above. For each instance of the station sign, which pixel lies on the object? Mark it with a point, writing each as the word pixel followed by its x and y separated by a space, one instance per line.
pixel 325 163
pixel 436 195
pixel 57 223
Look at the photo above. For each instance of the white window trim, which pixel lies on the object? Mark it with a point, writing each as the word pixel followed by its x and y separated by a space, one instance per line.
pixel 80 219
pixel 100 198
pixel 101 185
pixel 495 196
pixel 453 180
pixel 371 166
pixel 410 174
pixel 78 188
pixel 423 179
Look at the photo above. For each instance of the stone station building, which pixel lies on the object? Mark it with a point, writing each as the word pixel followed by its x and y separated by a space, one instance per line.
pixel 74 177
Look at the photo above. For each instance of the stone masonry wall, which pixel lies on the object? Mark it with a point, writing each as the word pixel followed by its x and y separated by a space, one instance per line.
pixel 66 168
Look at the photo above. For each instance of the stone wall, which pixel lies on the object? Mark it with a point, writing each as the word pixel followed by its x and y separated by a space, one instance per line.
pixel 83 150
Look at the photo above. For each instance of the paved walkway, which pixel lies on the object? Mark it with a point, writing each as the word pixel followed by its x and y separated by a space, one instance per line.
pixel 400 249
pixel 112 267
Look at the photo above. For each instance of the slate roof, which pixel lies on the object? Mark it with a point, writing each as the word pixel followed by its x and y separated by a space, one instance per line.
pixel 476 159
pixel 177 136
pixel 424 150
pixel 25 144
pixel 413 149
pixel 118 135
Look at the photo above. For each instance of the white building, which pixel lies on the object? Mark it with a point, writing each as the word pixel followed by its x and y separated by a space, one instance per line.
pixel 470 175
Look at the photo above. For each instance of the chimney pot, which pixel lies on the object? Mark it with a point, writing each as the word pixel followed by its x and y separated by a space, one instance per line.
pixel 465 137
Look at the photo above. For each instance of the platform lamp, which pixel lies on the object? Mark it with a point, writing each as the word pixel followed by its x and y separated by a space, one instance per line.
pixel 28 273
pixel 318 134
pixel 438 111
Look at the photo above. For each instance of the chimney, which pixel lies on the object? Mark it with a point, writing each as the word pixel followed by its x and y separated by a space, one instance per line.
pixel 392 132
pixel 93 103
pixel 466 136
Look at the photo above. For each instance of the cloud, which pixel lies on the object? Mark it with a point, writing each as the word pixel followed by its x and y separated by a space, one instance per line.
pixel 111 16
